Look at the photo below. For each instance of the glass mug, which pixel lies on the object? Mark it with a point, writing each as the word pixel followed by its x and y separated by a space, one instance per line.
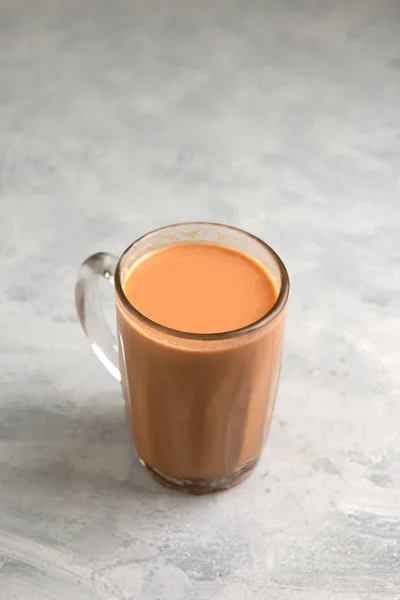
pixel 199 406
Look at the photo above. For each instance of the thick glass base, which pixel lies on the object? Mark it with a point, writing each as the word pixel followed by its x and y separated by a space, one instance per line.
pixel 201 486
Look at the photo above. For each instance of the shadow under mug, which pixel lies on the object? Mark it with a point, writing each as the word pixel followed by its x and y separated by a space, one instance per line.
pixel 199 406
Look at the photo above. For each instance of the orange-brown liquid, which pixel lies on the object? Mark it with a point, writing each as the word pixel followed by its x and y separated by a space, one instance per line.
pixel 199 409
pixel 200 288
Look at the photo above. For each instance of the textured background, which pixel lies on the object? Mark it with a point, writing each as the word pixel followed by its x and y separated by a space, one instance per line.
pixel 278 116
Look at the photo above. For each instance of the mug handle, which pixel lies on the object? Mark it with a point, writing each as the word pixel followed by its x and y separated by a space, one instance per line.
pixel 102 341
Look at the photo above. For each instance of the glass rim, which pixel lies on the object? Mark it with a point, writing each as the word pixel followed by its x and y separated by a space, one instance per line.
pixel 269 316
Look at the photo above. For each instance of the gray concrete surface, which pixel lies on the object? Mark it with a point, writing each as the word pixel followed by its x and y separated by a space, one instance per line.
pixel 281 117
